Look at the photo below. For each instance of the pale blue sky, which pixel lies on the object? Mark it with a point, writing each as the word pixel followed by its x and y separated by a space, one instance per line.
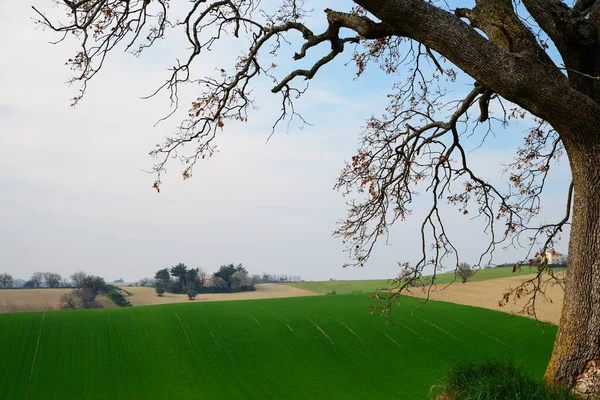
pixel 73 194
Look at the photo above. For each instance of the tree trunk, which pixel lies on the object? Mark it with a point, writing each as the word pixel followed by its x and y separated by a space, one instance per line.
pixel 577 345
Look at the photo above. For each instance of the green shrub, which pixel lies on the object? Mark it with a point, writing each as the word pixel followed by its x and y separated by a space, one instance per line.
pixel 191 294
pixel 330 293
pixel 495 380
pixel 117 297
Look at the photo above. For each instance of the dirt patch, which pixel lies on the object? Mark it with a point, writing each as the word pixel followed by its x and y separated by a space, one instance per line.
pixel 487 294
pixel 24 300
pixel 144 296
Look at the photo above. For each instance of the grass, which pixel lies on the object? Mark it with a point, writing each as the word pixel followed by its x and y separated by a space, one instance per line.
pixel 368 286
pixel 322 347
pixel 494 380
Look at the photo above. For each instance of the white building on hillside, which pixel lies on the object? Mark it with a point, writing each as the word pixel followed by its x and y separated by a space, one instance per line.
pixel 554 257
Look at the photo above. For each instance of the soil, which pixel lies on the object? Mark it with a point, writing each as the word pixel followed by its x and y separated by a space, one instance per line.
pixel 487 294
pixel 24 300
pixel 142 296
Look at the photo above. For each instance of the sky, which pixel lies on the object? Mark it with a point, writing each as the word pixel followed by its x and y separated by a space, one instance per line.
pixel 74 194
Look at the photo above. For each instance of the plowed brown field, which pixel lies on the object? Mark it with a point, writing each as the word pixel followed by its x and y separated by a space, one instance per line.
pixel 488 293
pixel 22 300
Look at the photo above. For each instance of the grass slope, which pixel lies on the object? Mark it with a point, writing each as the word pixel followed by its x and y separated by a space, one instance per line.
pixel 343 287
pixel 323 347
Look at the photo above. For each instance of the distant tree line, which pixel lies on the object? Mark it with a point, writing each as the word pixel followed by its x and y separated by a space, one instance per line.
pixel 181 279
pixel 274 278
pixel 46 279
pixel 6 280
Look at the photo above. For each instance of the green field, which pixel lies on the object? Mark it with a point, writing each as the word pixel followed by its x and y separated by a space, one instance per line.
pixel 324 347
pixel 343 287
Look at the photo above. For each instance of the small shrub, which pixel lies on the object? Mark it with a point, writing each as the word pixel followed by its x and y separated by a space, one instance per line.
pixel 191 294
pixel 160 291
pixel 495 380
pixel 330 293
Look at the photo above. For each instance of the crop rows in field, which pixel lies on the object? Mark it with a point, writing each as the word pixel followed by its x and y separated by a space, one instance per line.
pixel 306 348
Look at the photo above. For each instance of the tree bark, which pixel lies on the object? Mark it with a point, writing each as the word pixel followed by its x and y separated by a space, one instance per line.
pixel 578 338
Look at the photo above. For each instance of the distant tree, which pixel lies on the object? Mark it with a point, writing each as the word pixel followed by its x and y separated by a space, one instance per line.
pixel 52 279
pixel 66 283
pixel 120 280
pixel 6 280
pixel 175 286
pixel 191 294
pixel 179 271
pixel 160 290
pixel 29 284
pixel 240 279
pixel 162 276
pixel 464 272
pixel 70 301
pixel 84 295
pixel 37 278
pixel 96 283
pixel 408 277
pixel 218 283
pixel 146 282
pixel 192 279
pixel 255 279
pixel 226 272
pixel 79 277
pixel 201 277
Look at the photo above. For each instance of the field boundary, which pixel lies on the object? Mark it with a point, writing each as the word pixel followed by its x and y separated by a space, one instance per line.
pixel 37 343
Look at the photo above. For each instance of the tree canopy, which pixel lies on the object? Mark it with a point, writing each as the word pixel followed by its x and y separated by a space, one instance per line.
pixel 540 60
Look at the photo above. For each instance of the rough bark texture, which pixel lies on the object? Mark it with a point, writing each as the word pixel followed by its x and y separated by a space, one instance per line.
pixel 578 338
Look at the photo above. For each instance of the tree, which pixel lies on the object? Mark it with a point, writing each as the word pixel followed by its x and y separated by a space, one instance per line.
pixel 84 295
pixel 218 283
pixel 160 290
pixel 464 272
pixel 146 282
pixel 91 288
pixel 240 279
pixel 79 278
pixel 506 55
pixel 201 277
pixel 226 272
pixel 162 276
pixel 179 271
pixel 29 284
pixel 191 294
pixel 6 280
pixel 52 279
pixel 192 279
pixel 37 278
